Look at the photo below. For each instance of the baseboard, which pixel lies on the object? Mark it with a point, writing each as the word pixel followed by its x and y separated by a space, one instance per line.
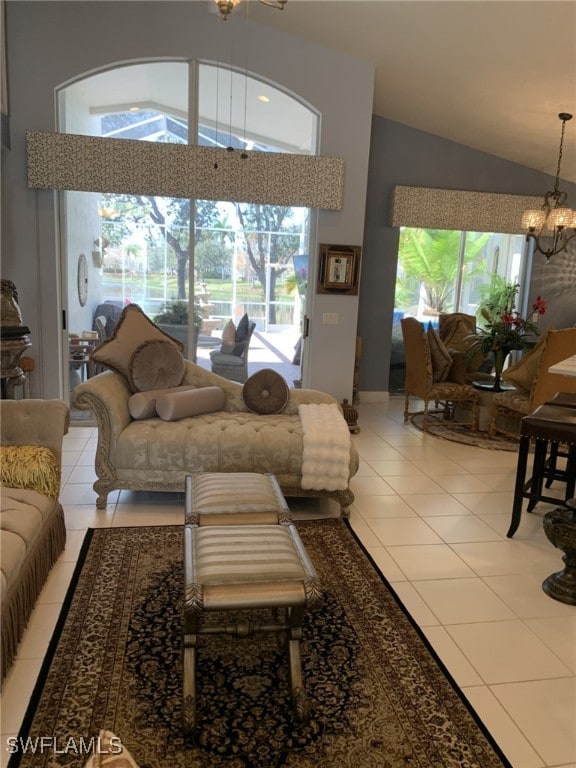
pixel 373 397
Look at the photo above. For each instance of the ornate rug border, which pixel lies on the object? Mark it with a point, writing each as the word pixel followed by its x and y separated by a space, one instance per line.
pixel 477 439
pixel 15 760
pixel 431 650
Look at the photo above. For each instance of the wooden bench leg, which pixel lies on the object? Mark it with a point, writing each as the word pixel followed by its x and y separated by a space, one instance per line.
pixel 189 718
pixel 300 703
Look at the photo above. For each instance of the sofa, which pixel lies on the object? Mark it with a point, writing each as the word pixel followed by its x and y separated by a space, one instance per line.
pixel 32 529
pixel 154 454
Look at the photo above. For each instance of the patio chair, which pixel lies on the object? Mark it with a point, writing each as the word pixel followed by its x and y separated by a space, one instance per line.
pixel 233 365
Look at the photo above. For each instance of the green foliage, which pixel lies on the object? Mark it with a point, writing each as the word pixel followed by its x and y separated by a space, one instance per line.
pixel 504 329
pixel 212 254
pixel 429 259
pixel 498 295
pixel 176 313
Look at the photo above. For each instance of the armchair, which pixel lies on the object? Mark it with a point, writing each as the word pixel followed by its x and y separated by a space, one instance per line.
pixel 420 380
pixel 554 347
pixel 456 329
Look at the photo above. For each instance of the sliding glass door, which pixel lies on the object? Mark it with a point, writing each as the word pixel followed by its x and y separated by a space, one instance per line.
pixel 442 271
pixel 178 258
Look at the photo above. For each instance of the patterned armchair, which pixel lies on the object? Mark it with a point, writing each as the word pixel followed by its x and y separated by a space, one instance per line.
pixel 420 380
pixel 455 329
pixel 552 348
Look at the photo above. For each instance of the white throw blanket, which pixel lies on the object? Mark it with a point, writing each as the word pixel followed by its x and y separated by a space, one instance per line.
pixel 326 454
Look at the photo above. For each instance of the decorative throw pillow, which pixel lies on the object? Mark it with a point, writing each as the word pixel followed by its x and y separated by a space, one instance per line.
pixel 110 753
pixel 132 330
pixel 243 328
pixel 229 331
pixel 155 365
pixel 33 467
pixel 441 359
pixel 179 405
pixel 266 392
pixel 523 373
pixel 142 405
pixel 228 338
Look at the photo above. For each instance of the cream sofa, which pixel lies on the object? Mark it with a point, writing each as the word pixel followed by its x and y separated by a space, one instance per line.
pixel 32 529
pixel 155 455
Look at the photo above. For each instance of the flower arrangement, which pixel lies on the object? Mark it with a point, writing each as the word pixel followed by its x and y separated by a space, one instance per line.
pixel 505 330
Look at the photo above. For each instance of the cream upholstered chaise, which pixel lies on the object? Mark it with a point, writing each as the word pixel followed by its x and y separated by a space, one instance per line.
pixel 156 455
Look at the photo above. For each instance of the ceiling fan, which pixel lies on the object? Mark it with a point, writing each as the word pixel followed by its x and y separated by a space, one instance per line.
pixel 227 6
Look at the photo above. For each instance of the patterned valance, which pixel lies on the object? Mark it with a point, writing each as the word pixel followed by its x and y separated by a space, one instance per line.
pixel 456 209
pixel 94 164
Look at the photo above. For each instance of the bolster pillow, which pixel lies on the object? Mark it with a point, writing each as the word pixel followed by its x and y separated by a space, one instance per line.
pixel 179 405
pixel 142 405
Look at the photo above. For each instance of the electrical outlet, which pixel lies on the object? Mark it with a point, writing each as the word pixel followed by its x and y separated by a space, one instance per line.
pixel 330 318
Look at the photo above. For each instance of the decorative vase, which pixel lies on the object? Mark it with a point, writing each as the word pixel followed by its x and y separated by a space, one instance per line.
pixel 500 356
pixel 351 415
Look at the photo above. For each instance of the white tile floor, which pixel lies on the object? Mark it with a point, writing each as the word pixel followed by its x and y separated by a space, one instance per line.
pixel 434 516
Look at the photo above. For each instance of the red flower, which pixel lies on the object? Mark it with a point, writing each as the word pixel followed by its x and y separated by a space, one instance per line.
pixel 539 305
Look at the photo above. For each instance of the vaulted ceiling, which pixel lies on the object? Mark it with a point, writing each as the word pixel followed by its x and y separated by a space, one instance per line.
pixel 490 74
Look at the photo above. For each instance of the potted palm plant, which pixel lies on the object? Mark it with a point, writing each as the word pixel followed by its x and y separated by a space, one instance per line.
pixel 504 330
pixel 172 318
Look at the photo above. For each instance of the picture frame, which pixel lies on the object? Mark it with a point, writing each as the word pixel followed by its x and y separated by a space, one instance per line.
pixel 338 269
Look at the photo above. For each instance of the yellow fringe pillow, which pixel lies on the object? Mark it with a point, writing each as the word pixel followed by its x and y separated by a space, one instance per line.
pixel 33 467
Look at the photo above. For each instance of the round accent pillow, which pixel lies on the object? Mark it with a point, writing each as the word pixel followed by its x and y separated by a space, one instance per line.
pixel 265 392
pixel 155 365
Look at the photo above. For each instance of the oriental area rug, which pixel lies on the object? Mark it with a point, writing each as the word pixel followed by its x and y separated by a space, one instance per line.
pixel 462 434
pixel 380 697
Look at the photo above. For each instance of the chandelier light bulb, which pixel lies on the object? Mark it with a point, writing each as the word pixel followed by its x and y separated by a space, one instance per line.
pixel 533 218
pixel 560 217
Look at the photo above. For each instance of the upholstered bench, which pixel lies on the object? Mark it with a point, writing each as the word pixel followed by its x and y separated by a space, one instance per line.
pixel 243 568
pixel 234 498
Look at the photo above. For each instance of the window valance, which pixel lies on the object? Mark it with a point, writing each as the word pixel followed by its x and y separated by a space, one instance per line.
pixel 124 166
pixel 431 208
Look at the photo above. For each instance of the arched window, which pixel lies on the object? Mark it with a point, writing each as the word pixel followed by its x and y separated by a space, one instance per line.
pixel 178 258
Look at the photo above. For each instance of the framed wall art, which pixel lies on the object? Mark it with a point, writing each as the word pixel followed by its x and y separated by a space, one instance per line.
pixel 338 269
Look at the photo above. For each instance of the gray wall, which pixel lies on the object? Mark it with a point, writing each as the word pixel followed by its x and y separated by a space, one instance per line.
pixel 400 155
pixel 51 43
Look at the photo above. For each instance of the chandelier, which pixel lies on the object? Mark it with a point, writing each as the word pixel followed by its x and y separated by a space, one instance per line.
pixel 554 219
pixel 227 6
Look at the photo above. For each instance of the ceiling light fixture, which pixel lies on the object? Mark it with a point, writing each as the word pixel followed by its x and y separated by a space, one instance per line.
pixel 227 6
pixel 554 219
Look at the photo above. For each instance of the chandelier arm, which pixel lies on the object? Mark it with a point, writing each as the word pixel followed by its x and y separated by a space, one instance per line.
pixel 560 240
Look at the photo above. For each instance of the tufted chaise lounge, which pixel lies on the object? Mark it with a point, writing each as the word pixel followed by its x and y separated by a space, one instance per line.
pixel 156 455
